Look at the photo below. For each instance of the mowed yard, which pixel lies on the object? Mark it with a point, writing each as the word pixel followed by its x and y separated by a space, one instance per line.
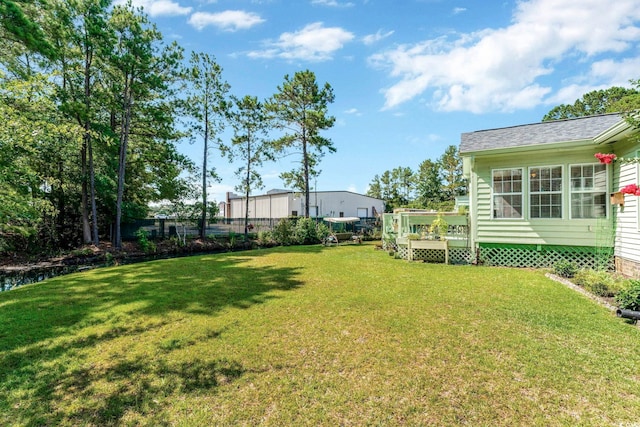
pixel 311 336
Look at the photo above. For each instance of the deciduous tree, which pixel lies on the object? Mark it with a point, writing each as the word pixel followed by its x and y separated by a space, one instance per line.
pixel 594 102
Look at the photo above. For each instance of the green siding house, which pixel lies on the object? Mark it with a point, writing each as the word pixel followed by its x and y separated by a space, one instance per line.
pixel 539 195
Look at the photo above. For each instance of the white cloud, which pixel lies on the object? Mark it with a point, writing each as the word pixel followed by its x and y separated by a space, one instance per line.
pixel 459 10
pixel 313 43
pixel 229 20
pixel 615 73
pixel 219 191
pixel 373 38
pixel 332 3
pixel 503 69
pixel 353 111
pixel 159 7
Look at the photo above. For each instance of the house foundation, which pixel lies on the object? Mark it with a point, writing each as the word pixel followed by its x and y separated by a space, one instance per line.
pixel 627 267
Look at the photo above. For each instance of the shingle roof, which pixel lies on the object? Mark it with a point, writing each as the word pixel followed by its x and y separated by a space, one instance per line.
pixel 579 129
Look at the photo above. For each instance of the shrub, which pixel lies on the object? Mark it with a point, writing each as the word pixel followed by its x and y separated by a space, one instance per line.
pixel 82 252
pixel 565 268
pixel 233 239
pixel 598 282
pixel 109 259
pixel 617 285
pixel 322 231
pixel 283 232
pixel 264 238
pixel 143 240
pixel 305 231
pixel 629 298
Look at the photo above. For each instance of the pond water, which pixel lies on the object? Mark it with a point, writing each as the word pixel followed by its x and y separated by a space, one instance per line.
pixel 14 277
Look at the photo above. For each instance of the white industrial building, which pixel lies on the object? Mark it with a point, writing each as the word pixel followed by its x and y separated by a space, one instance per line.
pixel 277 204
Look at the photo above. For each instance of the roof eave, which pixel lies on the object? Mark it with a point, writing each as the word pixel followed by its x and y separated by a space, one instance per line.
pixel 526 148
pixel 615 132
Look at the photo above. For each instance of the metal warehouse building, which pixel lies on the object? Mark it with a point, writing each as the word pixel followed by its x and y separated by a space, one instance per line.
pixel 276 204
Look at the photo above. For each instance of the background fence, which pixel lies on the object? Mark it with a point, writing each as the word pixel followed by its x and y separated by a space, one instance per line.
pixel 166 228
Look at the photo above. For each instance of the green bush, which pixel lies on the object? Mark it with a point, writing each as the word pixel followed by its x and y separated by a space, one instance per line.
pixel 233 239
pixel 305 231
pixel 322 231
pixel 629 298
pixel 308 232
pixel 146 245
pixel 264 238
pixel 617 285
pixel 565 268
pixel 82 252
pixel 282 233
pixel 598 282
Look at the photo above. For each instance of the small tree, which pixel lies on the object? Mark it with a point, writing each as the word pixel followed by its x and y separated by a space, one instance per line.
pixel 250 123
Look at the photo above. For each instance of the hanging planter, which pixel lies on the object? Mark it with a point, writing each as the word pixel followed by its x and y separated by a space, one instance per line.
pixel 617 198
pixel 631 189
pixel 606 158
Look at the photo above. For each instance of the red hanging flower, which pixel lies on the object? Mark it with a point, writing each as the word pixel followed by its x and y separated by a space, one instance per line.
pixel 605 158
pixel 632 189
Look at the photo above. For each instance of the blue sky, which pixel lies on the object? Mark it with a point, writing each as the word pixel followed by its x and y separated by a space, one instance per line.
pixel 409 76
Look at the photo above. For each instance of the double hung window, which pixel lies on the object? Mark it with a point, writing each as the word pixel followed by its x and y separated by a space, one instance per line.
pixel 507 193
pixel 589 191
pixel 545 192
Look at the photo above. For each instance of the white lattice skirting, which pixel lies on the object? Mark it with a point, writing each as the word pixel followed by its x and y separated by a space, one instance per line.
pixel 456 255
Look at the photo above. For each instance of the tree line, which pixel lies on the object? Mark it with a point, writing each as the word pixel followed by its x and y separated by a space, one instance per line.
pixel 93 103
pixel 435 184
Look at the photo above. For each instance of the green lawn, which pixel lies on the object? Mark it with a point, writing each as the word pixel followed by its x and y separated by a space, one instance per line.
pixel 312 336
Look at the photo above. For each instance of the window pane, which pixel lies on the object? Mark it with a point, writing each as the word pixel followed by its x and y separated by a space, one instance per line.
pixel 535 186
pixel 600 177
pixel 517 185
pixel 588 205
pixel 507 206
pixel 545 185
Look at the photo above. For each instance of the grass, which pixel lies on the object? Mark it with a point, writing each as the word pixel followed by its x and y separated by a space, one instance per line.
pixel 312 336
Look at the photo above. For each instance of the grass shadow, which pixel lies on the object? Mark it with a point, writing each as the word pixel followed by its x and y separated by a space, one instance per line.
pixel 46 325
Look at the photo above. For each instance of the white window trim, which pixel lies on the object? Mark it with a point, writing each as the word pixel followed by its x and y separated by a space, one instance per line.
pixel 571 192
pixel 522 195
pixel 561 192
